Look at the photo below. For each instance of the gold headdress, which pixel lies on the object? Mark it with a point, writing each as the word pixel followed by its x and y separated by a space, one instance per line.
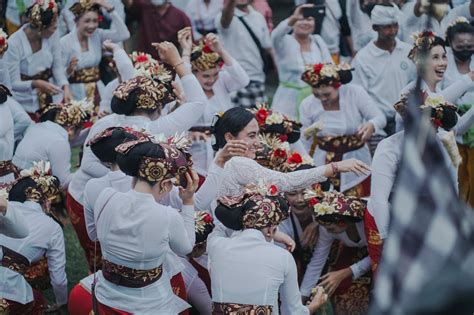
pixel 334 206
pixel 38 9
pixel 327 74
pixel 72 114
pixel 83 6
pixel 47 184
pixel 204 58
pixel 422 41
pixel 142 60
pixel 3 41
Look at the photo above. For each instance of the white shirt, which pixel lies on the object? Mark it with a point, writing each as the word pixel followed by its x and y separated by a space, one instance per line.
pixel 12 13
pixel 241 171
pixel 355 107
pixel 291 64
pixel 202 14
pixel 136 232
pixel 6 133
pixel 180 120
pixel 238 41
pixel 70 47
pixel 454 13
pixel 360 24
pixel 246 269
pixel 321 252
pixel 383 74
pixel 287 227
pixel 46 141
pixel 45 238
pixel 21 60
pixel 13 223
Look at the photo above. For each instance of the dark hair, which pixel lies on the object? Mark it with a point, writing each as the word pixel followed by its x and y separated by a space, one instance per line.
pixel 95 8
pixel 345 76
pixel 234 121
pixel 334 218
pixel 129 163
pixel 202 236
pixel 18 190
pixel 47 17
pixel 49 115
pixel 128 106
pixel 104 149
pixel 4 93
pixel 231 217
pixel 449 119
pixel 458 28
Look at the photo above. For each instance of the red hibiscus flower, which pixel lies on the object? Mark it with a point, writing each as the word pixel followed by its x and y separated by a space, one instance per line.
pixel 280 153
pixel 207 218
pixel 142 58
pixel 101 18
pixel 51 5
pixel 87 124
pixel 283 138
pixel 336 85
pixel 295 158
pixel 313 201
pixel 261 116
pixel 273 190
pixel 318 67
pixel 206 49
pixel 2 41
pixel 436 122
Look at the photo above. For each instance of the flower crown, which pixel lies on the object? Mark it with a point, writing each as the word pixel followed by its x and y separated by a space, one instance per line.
pixel 275 123
pixel 204 58
pixel 458 20
pixel 38 8
pixel 421 41
pixel 3 41
pixel 71 114
pixel 83 6
pixel 141 59
pixel 324 74
pixel 334 206
pixel 177 160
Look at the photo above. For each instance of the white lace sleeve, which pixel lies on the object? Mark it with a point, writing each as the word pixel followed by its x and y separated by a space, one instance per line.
pixel 240 171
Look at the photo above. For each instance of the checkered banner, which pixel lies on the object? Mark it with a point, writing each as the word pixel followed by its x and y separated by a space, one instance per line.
pixel 431 232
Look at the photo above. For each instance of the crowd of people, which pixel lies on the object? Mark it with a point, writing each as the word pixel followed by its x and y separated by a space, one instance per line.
pixel 196 191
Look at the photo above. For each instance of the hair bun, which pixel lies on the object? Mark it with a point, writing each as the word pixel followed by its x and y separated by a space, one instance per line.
pixel 230 217
pixel 345 76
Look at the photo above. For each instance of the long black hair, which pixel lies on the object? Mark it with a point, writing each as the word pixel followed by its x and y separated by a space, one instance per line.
pixel 234 121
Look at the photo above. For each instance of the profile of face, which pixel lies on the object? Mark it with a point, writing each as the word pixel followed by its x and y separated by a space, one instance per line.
pixel 386 32
pixel 207 78
pixel 436 64
pixel 328 95
pixel 88 23
pixel 250 136
pixel 335 227
pixel 49 31
pixel 297 202
pixel 304 26
pixel 462 45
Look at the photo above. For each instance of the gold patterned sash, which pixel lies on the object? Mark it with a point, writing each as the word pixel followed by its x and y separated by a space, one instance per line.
pixel 7 167
pixel 89 77
pixel 240 309
pixel 14 261
pixel 43 98
pixel 129 277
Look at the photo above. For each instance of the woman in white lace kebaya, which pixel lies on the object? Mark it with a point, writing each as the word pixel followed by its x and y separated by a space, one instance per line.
pixel 82 47
pixel 219 75
pixel 338 119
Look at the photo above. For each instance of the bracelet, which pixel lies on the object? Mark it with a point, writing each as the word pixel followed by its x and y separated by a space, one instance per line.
pixel 334 167
pixel 179 64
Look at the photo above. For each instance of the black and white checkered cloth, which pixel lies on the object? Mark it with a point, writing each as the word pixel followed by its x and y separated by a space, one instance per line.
pixel 250 95
pixel 430 230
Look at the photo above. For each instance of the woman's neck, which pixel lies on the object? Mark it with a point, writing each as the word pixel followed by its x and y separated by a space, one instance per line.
pixel 143 187
pixel 82 37
pixel 463 66
pixel 302 39
pixel 32 34
pixel 431 85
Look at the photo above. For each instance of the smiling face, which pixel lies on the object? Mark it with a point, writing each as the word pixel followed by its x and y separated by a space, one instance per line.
pixel 436 64
pixel 207 78
pixel 297 202
pixel 88 23
pixel 328 95
pixel 304 26
pixel 250 135
pixel 463 41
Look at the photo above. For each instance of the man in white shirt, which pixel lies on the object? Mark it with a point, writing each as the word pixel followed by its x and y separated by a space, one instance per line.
pixel 382 67
pixel 232 25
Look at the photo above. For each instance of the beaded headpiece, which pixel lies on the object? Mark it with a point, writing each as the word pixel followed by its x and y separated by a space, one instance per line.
pixel 325 74
pixel 177 160
pixel 83 6
pixel 204 58
pixel 334 206
pixel 264 210
pixel 40 8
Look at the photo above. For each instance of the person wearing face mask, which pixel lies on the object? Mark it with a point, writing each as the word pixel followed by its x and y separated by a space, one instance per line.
pixel 34 60
pixel 158 20
pixel 460 36
pixel 82 48
pixel 416 15
pixel 466 9
pixel 340 218
pixel 348 117
pixel 295 46
pixel 219 75
pixel 50 139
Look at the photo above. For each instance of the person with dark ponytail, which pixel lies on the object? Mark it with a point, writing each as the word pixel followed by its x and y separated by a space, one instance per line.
pixel 31 195
pixel 338 120
pixel 385 164
pixel 136 232
pixel 242 265
pixel 50 139
pixel 34 60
